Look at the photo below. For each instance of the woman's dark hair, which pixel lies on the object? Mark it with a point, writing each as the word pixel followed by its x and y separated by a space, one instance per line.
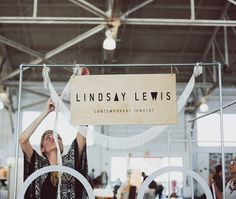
pixel 218 168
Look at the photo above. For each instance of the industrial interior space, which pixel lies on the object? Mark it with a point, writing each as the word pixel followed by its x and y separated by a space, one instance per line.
pixel 44 44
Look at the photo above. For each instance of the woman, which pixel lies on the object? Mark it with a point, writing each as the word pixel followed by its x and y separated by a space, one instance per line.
pixel 230 190
pixel 45 186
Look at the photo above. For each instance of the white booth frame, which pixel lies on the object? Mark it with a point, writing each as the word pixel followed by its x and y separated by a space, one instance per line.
pixel 216 64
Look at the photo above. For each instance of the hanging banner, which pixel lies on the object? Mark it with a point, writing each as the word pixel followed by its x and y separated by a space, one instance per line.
pixel 123 99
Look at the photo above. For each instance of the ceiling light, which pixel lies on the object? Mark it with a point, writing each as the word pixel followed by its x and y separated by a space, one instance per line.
pixel 204 108
pixel 109 43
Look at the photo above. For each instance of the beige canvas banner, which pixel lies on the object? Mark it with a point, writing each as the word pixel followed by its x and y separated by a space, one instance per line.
pixel 123 99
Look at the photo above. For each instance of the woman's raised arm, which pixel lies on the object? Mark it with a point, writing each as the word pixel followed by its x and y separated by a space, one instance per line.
pixel 26 134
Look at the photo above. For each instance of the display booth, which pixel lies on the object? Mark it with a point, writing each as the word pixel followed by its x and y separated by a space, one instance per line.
pixel 113 110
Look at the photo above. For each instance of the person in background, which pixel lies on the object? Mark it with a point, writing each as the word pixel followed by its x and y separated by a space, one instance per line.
pixel 92 177
pixel 117 185
pixel 153 185
pixel 217 177
pixel 104 178
pixel 230 190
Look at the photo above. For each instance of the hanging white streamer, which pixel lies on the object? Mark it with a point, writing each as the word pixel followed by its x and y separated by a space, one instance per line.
pixel 45 73
pixel 59 158
pixel 130 141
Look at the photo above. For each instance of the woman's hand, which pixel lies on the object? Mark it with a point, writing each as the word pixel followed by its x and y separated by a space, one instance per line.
pixel 84 71
pixel 49 106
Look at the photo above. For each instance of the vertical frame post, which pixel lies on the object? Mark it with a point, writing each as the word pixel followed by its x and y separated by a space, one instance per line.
pixel 17 133
pixel 221 128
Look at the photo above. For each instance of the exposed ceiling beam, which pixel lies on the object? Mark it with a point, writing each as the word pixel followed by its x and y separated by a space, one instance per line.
pixel 22 48
pixel 233 28
pixel 219 50
pixel 226 49
pixel 35 92
pixel 44 5
pixel 19 46
pixel 178 22
pixel 232 1
pixel 128 12
pixel 213 41
pixel 70 43
pixel 89 7
pixel 60 48
pixel 209 43
pixel 187 37
pixel 33 104
pixel 128 21
pixel 52 20
pixel 35 8
pixel 2 61
pixel 5 66
pixel 192 6
pixel 208 46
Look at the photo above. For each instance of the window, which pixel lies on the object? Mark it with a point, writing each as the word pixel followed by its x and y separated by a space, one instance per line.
pixel 208 130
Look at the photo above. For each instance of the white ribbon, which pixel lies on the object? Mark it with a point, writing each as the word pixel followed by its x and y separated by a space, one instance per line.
pixel 47 84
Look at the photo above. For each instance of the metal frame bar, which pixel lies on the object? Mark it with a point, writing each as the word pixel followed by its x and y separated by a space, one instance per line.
pixel 22 66
pixel 221 128
pixel 17 134
pixel 174 140
pixel 120 65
